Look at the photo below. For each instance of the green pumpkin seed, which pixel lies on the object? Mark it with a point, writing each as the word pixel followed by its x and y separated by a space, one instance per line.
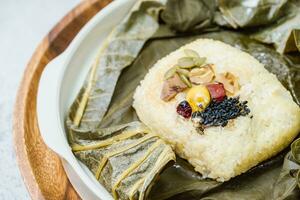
pixel 185 80
pixel 191 53
pixel 186 62
pixel 170 72
pixel 199 61
pixel 184 72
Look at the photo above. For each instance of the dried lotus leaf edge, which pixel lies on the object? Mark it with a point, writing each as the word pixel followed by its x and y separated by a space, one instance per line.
pixel 91 80
pixel 107 156
pixel 228 17
pixel 295 150
pixel 157 166
pixel 127 133
pixel 296 34
pixel 165 157
pixel 103 143
pixel 135 188
pixel 134 166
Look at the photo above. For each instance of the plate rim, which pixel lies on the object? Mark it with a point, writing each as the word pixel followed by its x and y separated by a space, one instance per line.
pixel 49 110
pixel 52 45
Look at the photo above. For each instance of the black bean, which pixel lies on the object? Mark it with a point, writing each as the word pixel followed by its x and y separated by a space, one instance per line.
pixel 218 113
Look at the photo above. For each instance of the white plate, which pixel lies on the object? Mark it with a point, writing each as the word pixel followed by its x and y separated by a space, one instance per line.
pixel 59 85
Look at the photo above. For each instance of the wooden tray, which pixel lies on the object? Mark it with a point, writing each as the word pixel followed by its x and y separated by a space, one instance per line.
pixel 40 167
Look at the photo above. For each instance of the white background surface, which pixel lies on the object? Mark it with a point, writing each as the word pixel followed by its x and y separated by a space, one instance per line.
pixel 23 24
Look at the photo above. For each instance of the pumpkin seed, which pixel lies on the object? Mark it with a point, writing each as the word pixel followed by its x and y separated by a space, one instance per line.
pixel 185 80
pixel 186 62
pixel 199 61
pixel 170 72
pixel 191 53
pixel 183 71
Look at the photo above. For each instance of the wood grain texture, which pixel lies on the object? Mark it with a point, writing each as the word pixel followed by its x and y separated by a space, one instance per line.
pixel 40 167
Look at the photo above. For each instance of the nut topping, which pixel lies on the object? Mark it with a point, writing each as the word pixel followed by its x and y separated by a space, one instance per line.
pixel 201 75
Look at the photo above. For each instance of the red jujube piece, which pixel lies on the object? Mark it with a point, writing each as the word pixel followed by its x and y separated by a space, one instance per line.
pixel 217 91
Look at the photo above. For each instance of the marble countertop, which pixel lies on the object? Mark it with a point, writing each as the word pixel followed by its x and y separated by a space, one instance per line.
pixel 23 25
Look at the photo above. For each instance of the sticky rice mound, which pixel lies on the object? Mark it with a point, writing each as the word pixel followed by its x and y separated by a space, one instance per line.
pixel 222 152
